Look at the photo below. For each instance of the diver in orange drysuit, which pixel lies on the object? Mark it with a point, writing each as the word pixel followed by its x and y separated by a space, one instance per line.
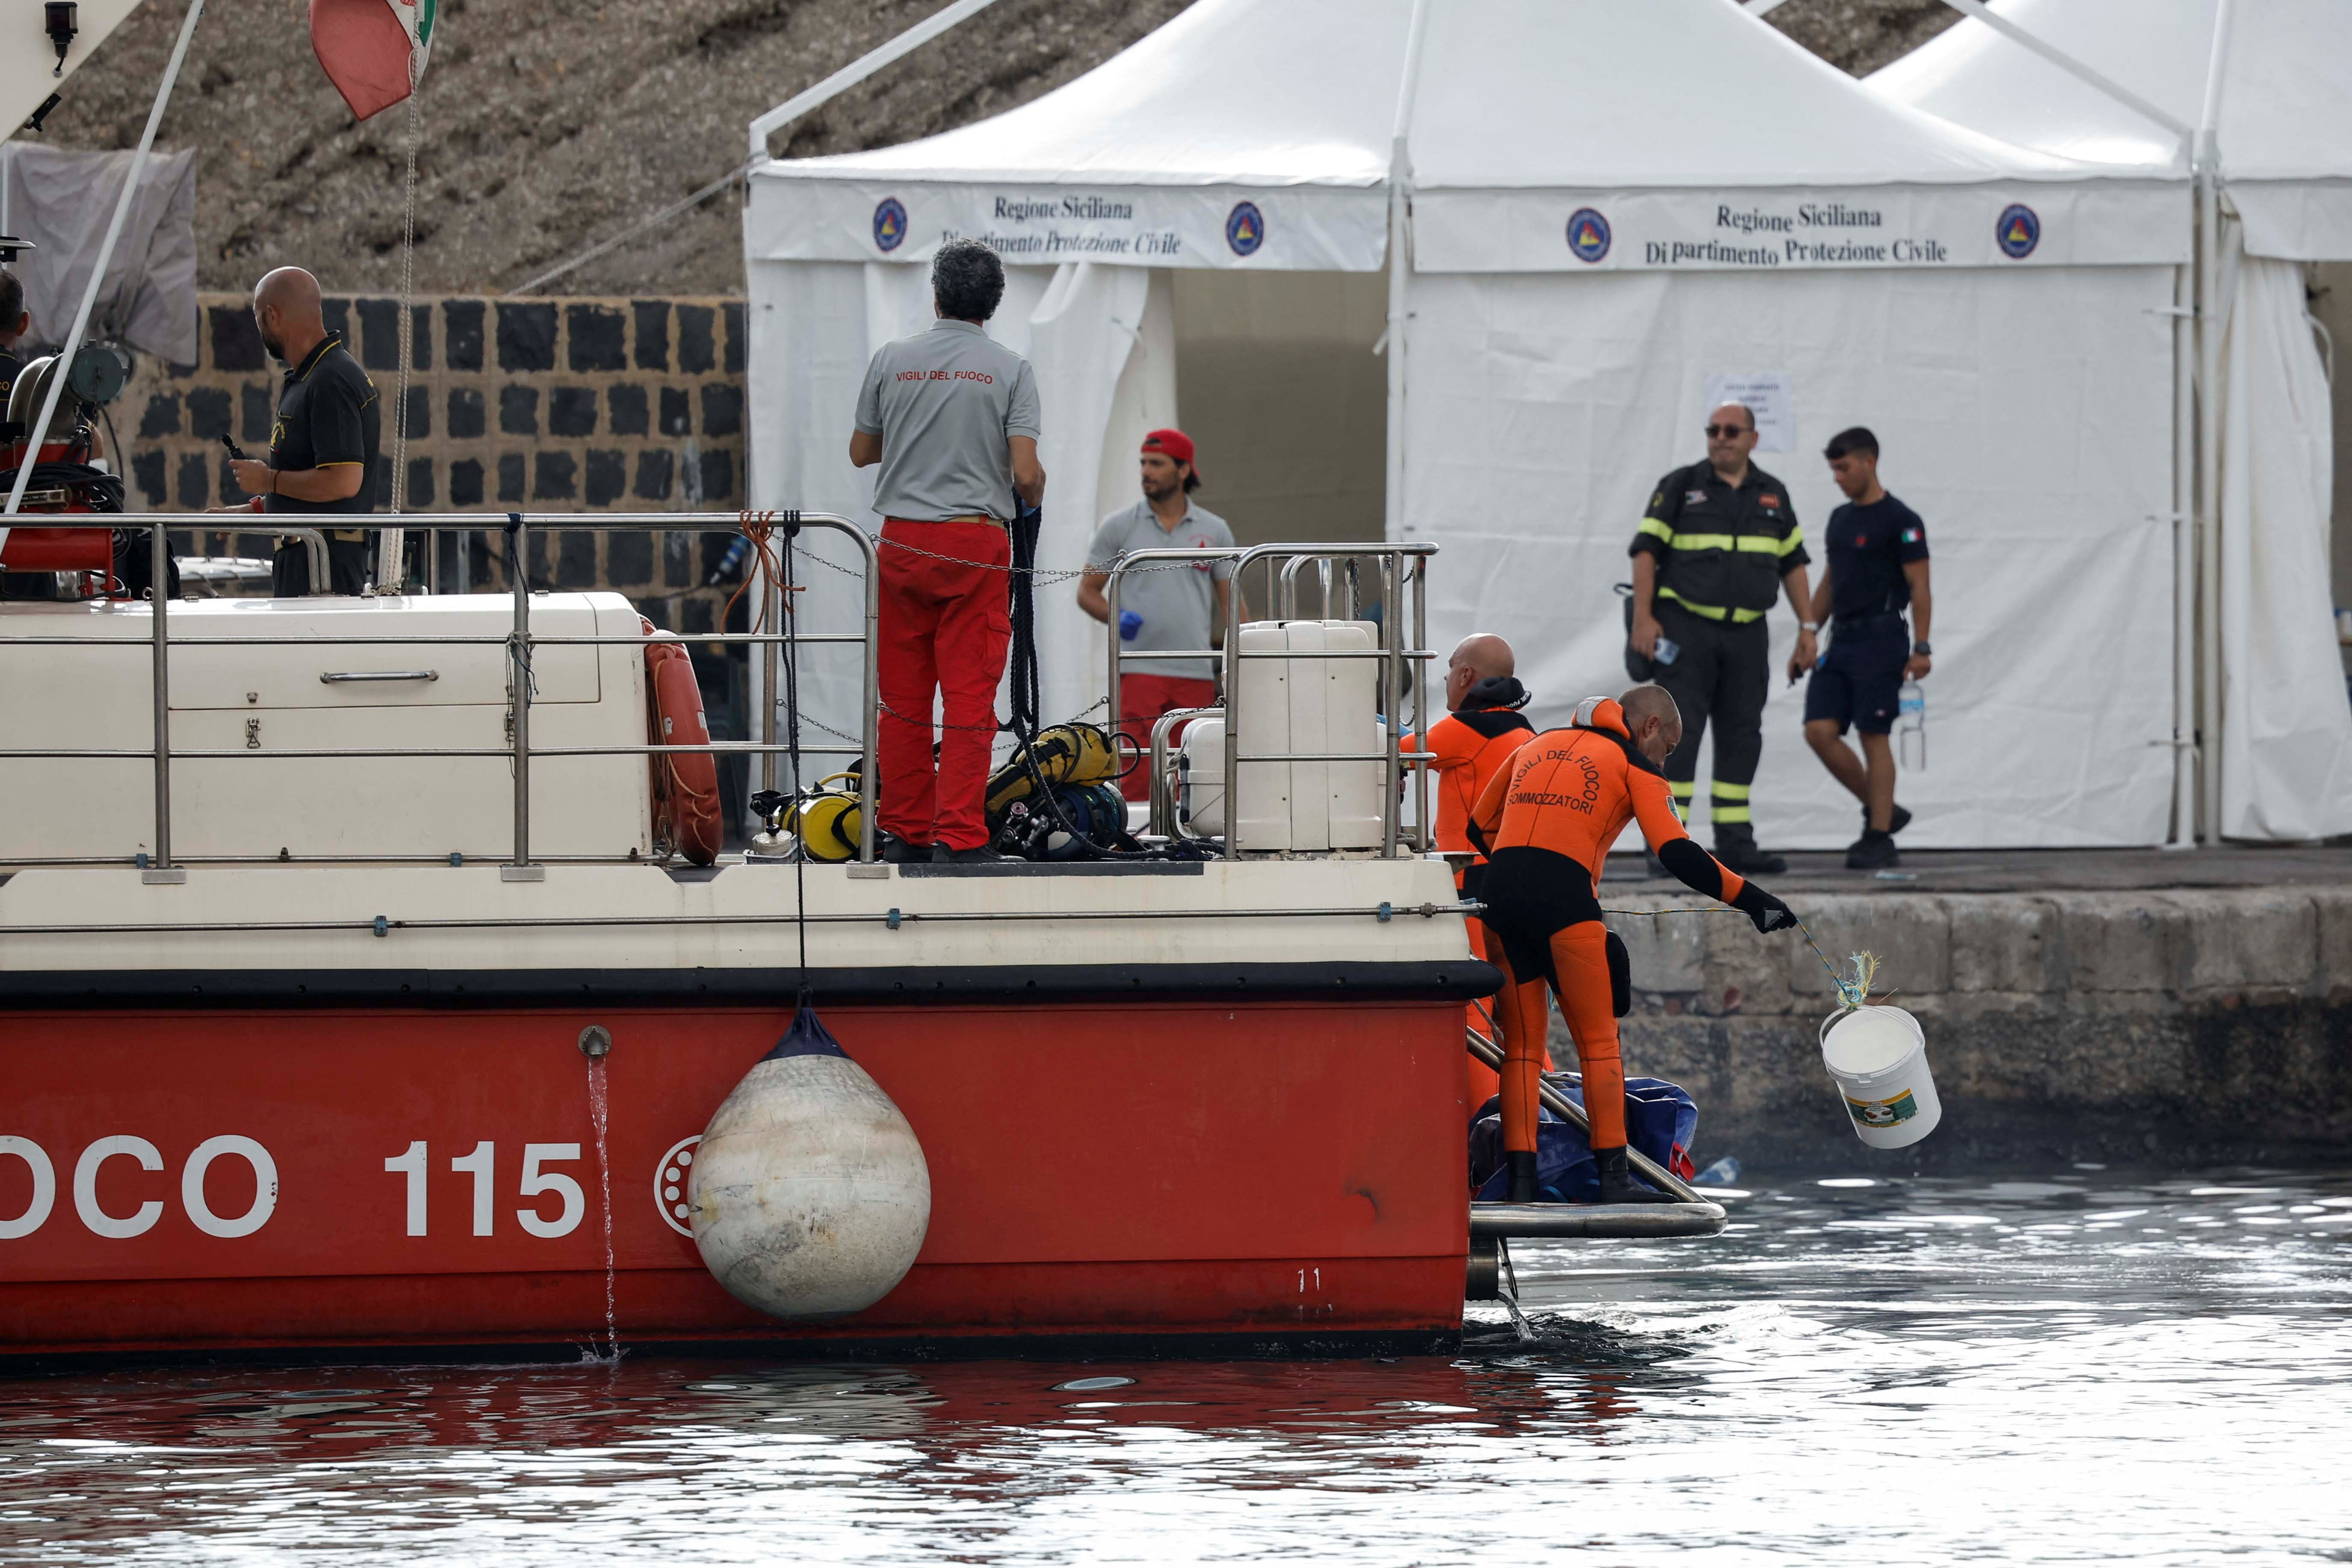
pixel 1474 742
pixel 1546 823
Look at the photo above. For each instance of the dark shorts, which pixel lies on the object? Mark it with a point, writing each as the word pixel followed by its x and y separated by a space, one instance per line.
pixel 1859 680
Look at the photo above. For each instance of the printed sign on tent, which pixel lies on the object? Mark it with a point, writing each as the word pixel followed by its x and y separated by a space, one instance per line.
pixel 1769 395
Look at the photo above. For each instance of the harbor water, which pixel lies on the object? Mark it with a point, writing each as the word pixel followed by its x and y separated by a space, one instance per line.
pixel 2080 1365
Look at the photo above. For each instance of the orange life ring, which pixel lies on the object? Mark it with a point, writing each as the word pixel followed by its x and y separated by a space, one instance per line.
pixel 686 784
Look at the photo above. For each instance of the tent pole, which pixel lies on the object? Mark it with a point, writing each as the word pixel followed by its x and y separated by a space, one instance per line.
pixel 2210 717
pixel 98 271
pixel 2070 65
pixel 857 70
pixel 1399 264
pixel 2184 560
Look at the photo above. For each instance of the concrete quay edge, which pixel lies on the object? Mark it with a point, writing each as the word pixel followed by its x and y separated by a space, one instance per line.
pixel 2176 1026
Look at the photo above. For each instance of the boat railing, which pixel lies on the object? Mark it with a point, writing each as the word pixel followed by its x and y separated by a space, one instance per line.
pixel 519 643
pixel 1402 574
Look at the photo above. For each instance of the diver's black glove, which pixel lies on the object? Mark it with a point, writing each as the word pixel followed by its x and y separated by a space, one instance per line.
pixel 1769 913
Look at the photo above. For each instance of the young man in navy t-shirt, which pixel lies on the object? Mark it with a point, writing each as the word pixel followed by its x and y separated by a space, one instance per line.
pixel 1875 564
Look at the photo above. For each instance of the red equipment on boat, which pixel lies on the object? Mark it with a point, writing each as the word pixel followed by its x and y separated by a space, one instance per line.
pixel 54 549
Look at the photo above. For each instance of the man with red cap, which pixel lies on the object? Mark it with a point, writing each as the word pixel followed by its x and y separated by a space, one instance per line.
pixel 1183 608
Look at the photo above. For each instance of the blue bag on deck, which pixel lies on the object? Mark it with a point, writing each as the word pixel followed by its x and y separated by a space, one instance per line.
pixel 1661 1119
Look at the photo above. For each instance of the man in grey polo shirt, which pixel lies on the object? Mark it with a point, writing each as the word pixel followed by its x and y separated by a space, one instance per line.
pixel 1164 608
pixel 952 417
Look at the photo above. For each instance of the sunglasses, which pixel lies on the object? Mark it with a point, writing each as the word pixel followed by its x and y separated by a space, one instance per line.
pixel 1726 431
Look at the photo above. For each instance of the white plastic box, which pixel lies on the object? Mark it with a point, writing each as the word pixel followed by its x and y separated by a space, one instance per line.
pixel 1303 705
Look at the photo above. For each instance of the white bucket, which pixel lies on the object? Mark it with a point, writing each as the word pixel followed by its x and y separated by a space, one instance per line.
pixel 1879 1057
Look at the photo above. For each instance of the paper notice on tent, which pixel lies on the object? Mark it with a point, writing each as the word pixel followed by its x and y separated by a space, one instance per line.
pixel 1769 396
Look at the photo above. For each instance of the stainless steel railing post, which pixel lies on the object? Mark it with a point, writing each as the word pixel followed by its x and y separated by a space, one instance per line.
pixel 1163 803
pixel 772 666
pixel 870 735
pixel 1289 592
pixel 158 596
pixel 1392 570
pixel 1231 698
pixel 518 662
pixel 1421 704
pixel 1110 604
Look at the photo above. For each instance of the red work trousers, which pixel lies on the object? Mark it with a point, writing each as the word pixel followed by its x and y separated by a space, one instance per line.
pixel 946 627
pixel 1579 966
pixel 1145 698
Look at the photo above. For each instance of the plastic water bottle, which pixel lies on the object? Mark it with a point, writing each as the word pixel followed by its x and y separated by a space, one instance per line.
pixel 1668 651
pixel 1722 1173
pixel 1911 725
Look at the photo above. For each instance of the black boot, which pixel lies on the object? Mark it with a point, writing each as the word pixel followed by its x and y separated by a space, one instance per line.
pixel 1734 846
pixel 1874 851
pixel 1620 1186
pixel 1522 1177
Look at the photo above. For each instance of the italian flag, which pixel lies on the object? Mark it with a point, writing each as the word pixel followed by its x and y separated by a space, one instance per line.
pixel 372 50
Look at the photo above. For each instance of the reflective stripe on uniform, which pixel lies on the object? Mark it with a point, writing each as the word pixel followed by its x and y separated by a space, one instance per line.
pixel 1720 814
pixel 1740 543
pixel 1722 790
pixel 1713 612
pixel 1683 788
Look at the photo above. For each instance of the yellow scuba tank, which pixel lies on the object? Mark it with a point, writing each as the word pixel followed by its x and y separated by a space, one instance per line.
pixel 1068 755
pixel 827 819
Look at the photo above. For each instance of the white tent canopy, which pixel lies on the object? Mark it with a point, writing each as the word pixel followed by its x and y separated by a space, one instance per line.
pixel 2285 128
pixel 2282 145
pixel 1614 206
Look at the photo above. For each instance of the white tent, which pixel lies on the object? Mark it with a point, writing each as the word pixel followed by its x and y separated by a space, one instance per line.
pixel 1612 207
pixel 2280 110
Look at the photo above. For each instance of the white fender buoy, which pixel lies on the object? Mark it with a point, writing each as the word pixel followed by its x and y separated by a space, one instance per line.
pixel 810 1194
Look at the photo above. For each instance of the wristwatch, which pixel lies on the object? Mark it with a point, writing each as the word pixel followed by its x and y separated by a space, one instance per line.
pixel 1923 650
pixel 1812 626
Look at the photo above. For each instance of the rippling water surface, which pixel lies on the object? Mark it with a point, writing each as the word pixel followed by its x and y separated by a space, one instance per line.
pixel 2087 1366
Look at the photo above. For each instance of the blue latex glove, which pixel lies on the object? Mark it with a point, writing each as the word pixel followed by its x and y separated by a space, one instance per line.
pixel 1129 623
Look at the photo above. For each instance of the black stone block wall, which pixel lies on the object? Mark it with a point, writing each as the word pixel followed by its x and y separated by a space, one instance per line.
pixel 543 404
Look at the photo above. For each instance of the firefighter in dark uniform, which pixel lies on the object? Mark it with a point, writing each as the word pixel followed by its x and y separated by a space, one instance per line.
pixel 1718 546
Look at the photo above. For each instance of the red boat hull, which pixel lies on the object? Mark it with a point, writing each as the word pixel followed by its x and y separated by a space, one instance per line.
pixel 1170 1171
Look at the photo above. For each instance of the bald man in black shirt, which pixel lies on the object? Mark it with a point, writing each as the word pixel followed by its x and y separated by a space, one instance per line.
pixel 324 444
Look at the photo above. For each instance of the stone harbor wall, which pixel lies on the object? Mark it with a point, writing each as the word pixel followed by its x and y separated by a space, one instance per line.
pixel 568 405
pixel 2181 1027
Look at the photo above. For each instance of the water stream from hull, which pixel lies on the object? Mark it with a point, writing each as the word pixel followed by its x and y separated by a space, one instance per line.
pixel 600 1114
